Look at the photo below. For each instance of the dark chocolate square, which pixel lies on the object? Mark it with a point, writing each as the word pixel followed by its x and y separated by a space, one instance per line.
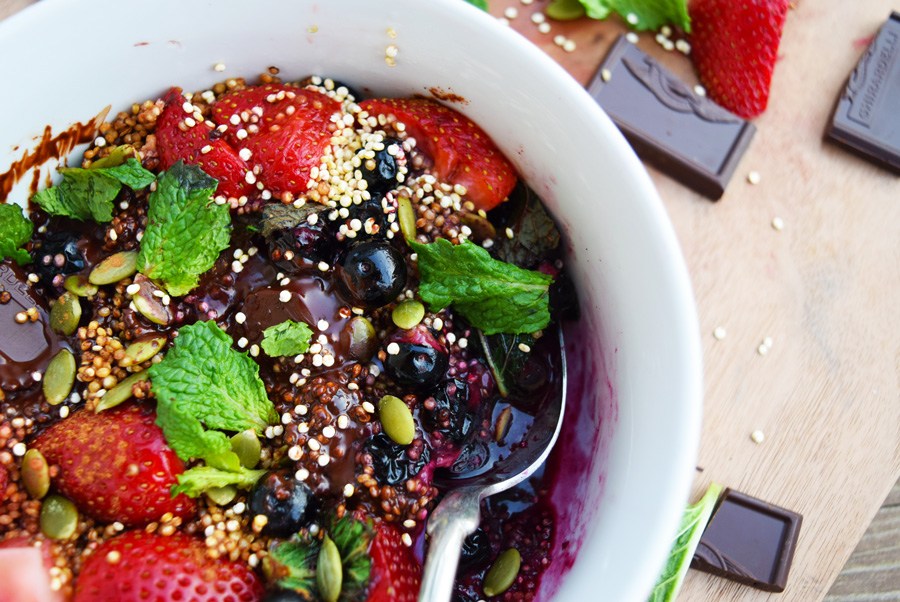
pixel 867 117
pixel 688 137
pixel 749 541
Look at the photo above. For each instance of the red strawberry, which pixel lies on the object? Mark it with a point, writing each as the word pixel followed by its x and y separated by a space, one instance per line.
pixel 286 129
pixel 145 567
pixel 176 140
pixel 396 574
pixel 734 46
pixel 460 150
pixel 116 465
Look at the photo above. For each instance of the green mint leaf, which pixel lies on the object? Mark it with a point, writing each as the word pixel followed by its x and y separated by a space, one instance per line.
pixel 352 538
pixel 85 194
pixel 492 295
pixel 287 338
pixel 693 522
pixel 15 231
pixel 534 232
pixel 186 230
pixel 197 480
pixel 295 566
pixel 642 15
pixel 505 356
pixel 482 4
pixel 203 386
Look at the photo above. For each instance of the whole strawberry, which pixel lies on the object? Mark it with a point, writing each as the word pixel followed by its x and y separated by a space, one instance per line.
pixel 734 46
pixel 145 567
pixel 396 574
pixel 116 465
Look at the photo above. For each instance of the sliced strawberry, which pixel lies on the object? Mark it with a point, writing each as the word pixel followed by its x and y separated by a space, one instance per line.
pixel 145 567
pixel 396 574
pixel 199 144
pixel 25 573
pixel 460 150
pixel 116 465
pixel 285 128
pixel 734 46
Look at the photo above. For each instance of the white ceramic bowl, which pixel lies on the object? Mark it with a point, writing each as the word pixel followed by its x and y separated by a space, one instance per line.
pixel 630 444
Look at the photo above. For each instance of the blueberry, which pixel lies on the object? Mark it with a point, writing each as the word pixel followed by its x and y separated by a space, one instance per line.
pixel 380 172
pixel 287 503
pixel 476 549
pixel 371 215
pixel 57 255
pixel 417 365
pixel 284 595
pixel 314 242
pixel 395 464
pixel 373 273
pixel 445 411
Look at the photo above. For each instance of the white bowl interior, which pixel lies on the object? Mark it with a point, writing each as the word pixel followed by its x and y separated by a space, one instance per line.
pixel 630 445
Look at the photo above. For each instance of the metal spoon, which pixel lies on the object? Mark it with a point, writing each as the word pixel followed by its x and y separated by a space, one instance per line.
pixel 458 514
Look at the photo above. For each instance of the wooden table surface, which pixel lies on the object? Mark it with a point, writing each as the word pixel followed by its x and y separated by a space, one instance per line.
pixel 825 289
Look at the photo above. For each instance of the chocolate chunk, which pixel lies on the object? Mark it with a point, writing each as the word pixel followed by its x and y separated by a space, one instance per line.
pixel 749 541
pixel 867 117
pixel 687 136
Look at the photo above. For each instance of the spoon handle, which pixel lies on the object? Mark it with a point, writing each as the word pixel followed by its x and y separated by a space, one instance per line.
pixel 451 521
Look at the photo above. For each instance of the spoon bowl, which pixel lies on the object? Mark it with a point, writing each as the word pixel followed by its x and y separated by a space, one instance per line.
pixel 459 512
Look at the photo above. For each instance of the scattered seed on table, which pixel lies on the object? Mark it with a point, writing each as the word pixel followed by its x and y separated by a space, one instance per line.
pixel 778 223
pixel 719 333
pixel 758 436
pixel 753 177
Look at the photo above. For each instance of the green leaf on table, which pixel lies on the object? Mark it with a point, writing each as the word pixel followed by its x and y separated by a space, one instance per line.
pixel 493 296
pixel 642 15
pixel 693 522
pixel 85 194
pixel 204 386
pixel 15 231
pixel 287 338
pixel 185 231
pixel 482 4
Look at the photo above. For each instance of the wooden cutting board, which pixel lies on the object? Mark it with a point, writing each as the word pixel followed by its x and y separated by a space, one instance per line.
pixel 825 289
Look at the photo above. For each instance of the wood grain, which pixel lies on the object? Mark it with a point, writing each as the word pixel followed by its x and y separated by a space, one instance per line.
pixel 827 395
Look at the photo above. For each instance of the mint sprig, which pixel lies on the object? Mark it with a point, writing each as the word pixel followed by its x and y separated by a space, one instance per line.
pixel 186 230
pixel 204 387
pixel 15 231
pixel 287 338
pixel 88 194
pixel 491 295
pixel 693 523
pixel 642 15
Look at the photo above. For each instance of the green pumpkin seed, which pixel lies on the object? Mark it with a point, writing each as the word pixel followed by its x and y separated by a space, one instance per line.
pixel 78 284
pixel 35 474
pixel 59 377
pixel 121 392
pixel 148 304
pixel 406 215
pixel 408 314
pixel 247 447
pixel 396 419
pixel 222 495
pixel 329 571
pixel 59 517
pixel 503 573
pixel 359 337
pixel 114 268
pixel 565 10
pixel 65 314
pixel 504 421
pixel 145 348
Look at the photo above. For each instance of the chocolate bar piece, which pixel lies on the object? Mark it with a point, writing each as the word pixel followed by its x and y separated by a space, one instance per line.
pixel 749 541
pixel 867 117
pixel 687 136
